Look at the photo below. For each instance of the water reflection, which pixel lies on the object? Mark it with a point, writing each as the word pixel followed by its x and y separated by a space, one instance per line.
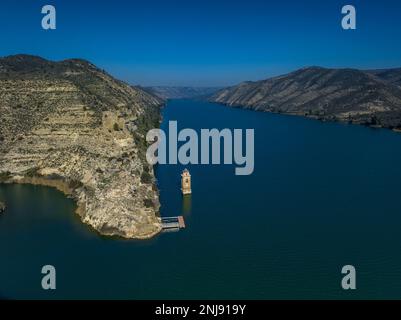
pixel 186 205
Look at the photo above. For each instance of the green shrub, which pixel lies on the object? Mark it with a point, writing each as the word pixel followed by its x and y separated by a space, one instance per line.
pixel 75 184
pixel 4 176
pixel 146 177
pixel 33 172
pixel 148 203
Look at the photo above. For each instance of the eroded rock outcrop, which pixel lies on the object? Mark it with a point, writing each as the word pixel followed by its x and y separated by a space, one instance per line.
pixel 72 126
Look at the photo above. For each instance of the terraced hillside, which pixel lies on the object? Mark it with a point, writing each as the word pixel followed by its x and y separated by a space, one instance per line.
pixel 70 125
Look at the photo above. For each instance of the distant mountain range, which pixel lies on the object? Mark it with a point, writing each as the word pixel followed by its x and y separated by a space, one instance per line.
pixel 182 92
pixel 370 97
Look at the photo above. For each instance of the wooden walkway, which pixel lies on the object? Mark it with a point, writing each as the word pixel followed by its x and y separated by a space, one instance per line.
pixel 173 222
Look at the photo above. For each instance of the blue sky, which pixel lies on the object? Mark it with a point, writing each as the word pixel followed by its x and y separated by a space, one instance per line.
pixel 205 43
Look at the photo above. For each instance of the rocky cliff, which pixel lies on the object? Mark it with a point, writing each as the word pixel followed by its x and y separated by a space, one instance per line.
pixel 364 97
pixel 70 125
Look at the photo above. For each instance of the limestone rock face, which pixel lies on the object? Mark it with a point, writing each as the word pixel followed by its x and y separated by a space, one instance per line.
pixel 70 125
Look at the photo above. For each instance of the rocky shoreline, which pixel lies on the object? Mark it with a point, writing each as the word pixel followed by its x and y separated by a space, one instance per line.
pixel 344 120
pixel 64 187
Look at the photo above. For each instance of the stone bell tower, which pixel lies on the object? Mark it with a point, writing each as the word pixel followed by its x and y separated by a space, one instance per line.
pixel 186 182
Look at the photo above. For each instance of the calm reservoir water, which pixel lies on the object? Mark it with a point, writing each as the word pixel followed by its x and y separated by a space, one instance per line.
pixel 323 195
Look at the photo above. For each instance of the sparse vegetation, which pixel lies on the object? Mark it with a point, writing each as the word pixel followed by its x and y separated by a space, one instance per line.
pixel 74 184
pixel 50 110
pixel 146 177
pixel 4 176
pixel 148 203
pixel 33 172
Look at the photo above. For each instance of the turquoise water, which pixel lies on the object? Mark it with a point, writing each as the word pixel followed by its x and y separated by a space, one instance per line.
pixel 323 195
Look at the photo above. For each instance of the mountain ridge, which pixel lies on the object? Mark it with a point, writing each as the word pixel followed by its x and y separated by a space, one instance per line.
pixel 186 92
pixel 357 96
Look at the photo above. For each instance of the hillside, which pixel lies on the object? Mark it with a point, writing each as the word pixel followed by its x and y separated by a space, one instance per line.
pixel 392 76
pixel 364 97
pixel 70 125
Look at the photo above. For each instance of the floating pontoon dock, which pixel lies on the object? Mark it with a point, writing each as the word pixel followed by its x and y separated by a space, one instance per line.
pixel 173 222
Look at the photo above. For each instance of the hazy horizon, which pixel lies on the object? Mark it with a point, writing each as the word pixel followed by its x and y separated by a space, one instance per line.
pixel 209 86
pixel 205 44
